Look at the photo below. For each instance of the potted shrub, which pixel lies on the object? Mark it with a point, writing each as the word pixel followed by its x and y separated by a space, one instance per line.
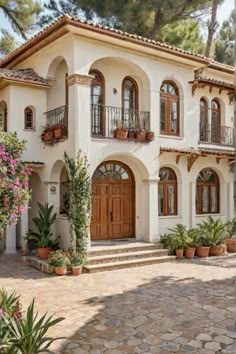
pixel 203 247
pixel 149 136
pixel 231 241
pixel 43 234
pixel 215 231
pixel 191 242
pixel 178 239
pixel 60 261
pixel 76 265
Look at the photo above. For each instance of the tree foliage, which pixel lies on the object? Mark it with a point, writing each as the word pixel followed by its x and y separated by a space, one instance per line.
pixel 224 43
pixel 22 15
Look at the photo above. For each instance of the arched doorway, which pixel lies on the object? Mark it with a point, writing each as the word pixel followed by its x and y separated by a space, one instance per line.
pixel 113 204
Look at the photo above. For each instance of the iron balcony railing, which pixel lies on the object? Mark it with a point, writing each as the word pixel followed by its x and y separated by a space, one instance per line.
pixel 217 134
pixel 56 124
pixel 106 119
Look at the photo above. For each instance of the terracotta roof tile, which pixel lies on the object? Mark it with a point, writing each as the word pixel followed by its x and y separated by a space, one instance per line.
pixel 26 75
pixel 76 21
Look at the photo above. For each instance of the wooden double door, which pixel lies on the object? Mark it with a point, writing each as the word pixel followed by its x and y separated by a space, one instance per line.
pixel 112 207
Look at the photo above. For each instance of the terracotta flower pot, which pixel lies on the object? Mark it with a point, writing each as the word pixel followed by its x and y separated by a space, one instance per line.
pixel 120 134
pixel 231 245
pixel 58 133
pixel 48 136
pixel 43 252
pixel 190 252
pixel 61 270
pixel 179 253
pixel 149 136
pixel 76 270
pixel 141 136
pixel 216 250
pixel 202 251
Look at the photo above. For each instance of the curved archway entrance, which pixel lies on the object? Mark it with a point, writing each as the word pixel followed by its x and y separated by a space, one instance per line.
pixel 113 202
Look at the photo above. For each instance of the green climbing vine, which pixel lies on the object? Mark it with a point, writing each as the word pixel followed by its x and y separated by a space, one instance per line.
pixel 79 195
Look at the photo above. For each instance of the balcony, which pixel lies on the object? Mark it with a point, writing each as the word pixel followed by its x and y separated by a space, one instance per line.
pixel 217 134
pixel 56 127
pixel 116 122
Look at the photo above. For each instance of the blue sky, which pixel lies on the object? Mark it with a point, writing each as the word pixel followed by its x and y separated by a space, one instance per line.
pixel 223 13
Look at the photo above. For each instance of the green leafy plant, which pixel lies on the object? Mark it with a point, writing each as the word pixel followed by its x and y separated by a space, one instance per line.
pixel 58 259
pixel 76 261
pixel 179 234
pixel 28 335
pixel 193 237
pixel 79 192
pixel 43 224
pixel 214 231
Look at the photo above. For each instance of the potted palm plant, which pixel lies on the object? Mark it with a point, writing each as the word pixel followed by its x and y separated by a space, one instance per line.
pixel 76 265
pixel 203 247
pixel 215 231
pixel 60 261
pixel 231 241
pixel 178 239
pixel 43 234
pixel 191 242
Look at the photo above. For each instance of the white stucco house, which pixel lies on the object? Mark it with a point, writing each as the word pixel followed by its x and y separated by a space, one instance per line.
pixel 90 80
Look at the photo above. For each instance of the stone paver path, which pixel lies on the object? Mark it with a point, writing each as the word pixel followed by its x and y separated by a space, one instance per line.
pixel 179 307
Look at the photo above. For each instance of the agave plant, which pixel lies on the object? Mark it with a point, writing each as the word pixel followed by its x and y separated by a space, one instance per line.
pixel 29 335
pixel 215 231
pixel 43 223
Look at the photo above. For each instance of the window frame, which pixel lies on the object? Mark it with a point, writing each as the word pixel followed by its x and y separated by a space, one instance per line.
pixel 216 127
pixel 101 111
pixel 166 184
pixel 168 98
pixel 136 90
pixel 199 193
pixel 32 118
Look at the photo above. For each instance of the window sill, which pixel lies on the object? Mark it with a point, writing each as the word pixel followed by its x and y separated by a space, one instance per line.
pixel 29 130
pixel 170 217
pixel 171 137
pixel 206 215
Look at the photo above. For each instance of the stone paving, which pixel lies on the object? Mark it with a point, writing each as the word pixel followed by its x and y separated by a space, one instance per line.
pixel 179 307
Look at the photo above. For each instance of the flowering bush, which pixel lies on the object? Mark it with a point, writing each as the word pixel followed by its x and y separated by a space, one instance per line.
pixel 14 176
pixel 58 258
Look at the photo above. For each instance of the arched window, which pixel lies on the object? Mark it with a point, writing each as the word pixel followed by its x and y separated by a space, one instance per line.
pixel 98 101
pixel 169 121
pixel 129 94
pixel 203 120
pixel 29 118
pixel 207 196
pixel 215 121
pixel 167 192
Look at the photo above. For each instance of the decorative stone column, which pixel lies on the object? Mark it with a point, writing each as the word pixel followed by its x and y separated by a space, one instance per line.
pixel 152 222
pixel 10 240
pixel 80 109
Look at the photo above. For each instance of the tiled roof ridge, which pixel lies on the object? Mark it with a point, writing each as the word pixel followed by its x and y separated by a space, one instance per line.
pixel 66 17
pixel 197 151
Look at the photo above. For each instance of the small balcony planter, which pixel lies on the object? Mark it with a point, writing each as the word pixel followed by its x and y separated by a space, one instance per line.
pixel 47 136
pixel 149 136
pixel 121 133
pixel 58 130
pixel 140 134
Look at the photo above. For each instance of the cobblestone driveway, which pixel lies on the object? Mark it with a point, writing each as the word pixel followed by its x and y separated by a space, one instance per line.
pixel 180 307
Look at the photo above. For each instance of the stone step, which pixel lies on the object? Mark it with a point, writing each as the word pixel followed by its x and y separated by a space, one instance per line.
pixel 108 250
pixel 116 257
pixel 128 263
